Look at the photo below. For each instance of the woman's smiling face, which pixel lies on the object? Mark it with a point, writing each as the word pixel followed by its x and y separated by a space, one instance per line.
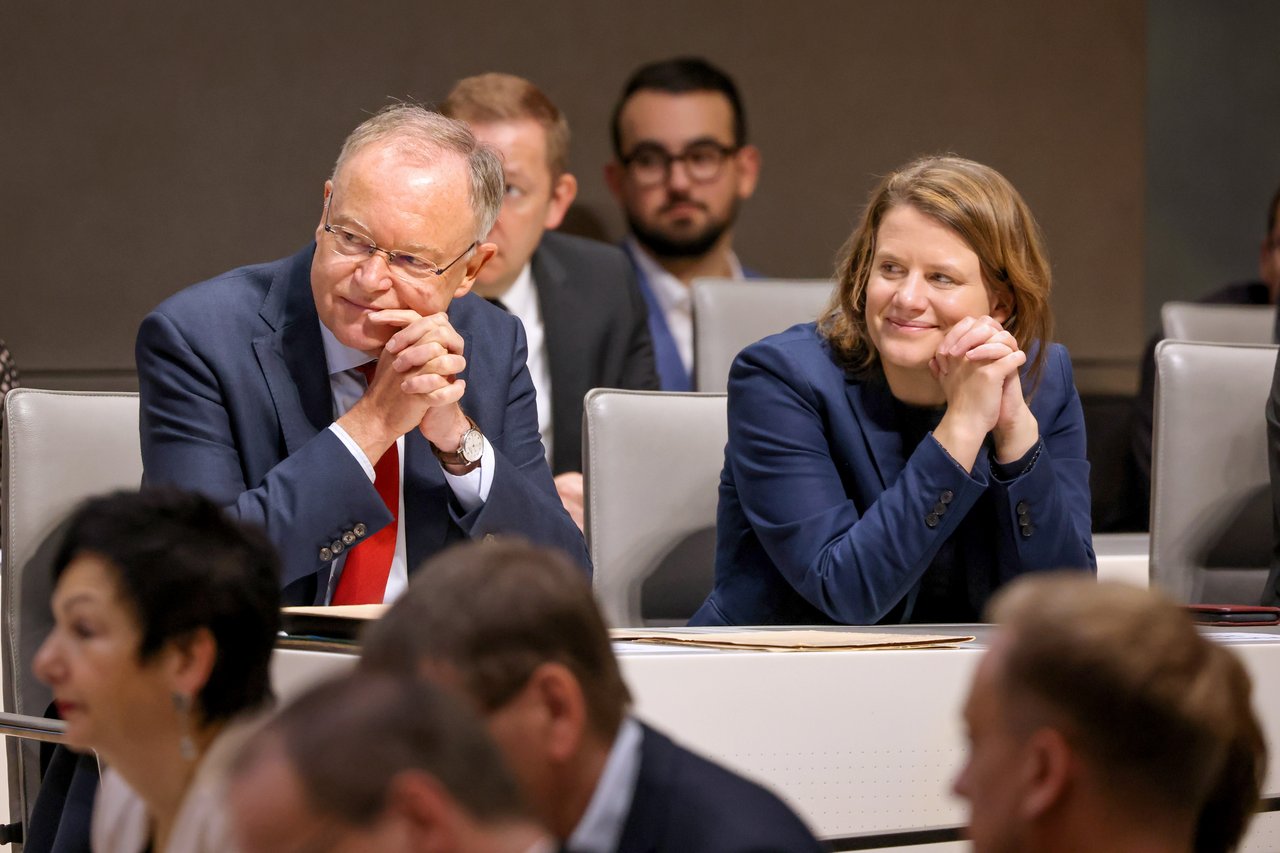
pixel 924 279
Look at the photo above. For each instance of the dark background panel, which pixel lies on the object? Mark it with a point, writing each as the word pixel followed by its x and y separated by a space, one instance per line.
pixel 149 146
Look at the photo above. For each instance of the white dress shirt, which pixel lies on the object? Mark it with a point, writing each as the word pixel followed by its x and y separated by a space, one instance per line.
pixel 600 828
pixel 521 299
pixel 348 386
pixel 674 297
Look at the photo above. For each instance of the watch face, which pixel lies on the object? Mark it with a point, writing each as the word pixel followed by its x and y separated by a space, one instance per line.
pixel 472 447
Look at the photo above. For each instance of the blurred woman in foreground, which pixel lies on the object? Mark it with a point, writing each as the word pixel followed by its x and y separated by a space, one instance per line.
pixel 165 614
pixel 923 442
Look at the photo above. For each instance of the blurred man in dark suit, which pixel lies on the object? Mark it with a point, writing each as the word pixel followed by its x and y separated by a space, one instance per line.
pixel 516 630
pixel 389 765
pixel 582 311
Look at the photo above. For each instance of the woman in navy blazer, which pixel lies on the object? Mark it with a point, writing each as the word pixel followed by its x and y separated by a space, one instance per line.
pixel 923 442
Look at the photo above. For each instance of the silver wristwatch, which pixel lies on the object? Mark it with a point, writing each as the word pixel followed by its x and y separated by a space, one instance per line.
pixel 470 448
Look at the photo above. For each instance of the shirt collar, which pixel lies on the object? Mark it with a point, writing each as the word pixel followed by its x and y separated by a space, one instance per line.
pixel 520 298
pixel 338 356
pixel 600 828
pixel 671 292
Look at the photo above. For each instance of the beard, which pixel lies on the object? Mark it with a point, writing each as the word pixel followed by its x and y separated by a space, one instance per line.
pixel 663 244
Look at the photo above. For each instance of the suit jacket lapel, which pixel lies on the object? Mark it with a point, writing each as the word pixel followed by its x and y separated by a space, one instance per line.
pixel 873 409
pixel 292 354
pixel 649 811
pixel 666 355
pixel 558 315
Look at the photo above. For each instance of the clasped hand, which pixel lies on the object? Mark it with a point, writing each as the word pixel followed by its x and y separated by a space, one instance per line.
pixel 977 364
pixel 415 385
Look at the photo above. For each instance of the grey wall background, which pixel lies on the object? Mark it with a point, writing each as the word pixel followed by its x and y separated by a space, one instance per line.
pixel 1213 143
pixel 148 146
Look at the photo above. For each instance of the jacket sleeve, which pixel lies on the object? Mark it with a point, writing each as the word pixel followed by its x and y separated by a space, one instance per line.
pixel 1043 513
pixel 795 488
pixel 522 498
pixel 187 441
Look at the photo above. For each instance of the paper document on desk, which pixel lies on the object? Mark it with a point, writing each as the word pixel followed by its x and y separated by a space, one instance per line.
pixel 342 622
pixel 788 641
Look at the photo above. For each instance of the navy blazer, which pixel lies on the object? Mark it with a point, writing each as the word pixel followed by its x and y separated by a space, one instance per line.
pixel 596 332
pixel 684 803
pixel 236 404
pixel 825 518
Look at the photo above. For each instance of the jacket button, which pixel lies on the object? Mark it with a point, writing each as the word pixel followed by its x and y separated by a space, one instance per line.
pixel 939 508
pixel 931 520
pixel 348 537
pixel 947 496
pixel 1022 508
pixel 337 547
pixel 360 529
pixel 325 555
pixel 1027 530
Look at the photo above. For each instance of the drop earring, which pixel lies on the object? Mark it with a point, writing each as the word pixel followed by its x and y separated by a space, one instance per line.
pixel 186 746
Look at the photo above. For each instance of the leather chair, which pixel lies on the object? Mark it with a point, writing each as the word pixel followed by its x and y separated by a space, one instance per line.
pixel 59 448
pixel 729 314
pixel 652 472
pixel 1211 492
pixel 1226 324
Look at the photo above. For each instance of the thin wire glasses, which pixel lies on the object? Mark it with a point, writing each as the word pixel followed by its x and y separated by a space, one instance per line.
pixel 353 244
pixel 650 164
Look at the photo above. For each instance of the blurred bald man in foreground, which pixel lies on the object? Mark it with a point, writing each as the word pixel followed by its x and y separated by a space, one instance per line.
pixel 1100 719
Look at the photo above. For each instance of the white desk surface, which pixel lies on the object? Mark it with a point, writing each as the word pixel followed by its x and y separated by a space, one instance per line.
pixel 856 741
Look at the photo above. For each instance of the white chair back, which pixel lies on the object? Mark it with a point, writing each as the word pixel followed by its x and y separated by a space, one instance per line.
pixel 60 447
pixel 1211 492
pixel 1224 324
pixel 652 469
pixel 729 314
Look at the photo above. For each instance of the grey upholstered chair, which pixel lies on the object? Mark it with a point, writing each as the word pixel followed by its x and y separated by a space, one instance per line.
pixel 59 448
pixel 730 313
pixel 652 471
pixel 1211 493
pixel 1226 324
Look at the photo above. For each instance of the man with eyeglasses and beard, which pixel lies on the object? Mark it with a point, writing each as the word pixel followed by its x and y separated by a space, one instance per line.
pixel 354 400
pixel 681 168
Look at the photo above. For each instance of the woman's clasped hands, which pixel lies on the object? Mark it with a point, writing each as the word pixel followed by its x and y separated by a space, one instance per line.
pixel 977 364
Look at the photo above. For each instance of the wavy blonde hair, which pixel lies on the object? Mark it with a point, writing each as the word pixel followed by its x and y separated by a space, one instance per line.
pixel 984 209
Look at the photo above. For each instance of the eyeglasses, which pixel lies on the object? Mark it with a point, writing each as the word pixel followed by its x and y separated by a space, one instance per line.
pixel 353 244
pixel 650 164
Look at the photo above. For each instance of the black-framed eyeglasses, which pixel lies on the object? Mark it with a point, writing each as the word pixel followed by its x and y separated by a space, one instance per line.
pixel 650 164
pixel 353 244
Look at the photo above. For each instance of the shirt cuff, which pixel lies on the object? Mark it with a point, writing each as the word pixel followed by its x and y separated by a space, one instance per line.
pixel 472 488
pixel 350 444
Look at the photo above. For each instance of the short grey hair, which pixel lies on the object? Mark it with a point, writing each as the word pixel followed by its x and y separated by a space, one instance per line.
pixel 424 134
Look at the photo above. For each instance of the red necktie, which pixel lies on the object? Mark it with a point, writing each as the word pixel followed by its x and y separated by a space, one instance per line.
pixel 364 577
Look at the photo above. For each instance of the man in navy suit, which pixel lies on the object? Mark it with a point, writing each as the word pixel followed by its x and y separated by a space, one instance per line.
pixel 353 399
pixel 682 167
pixel 515 629
pixel 583 315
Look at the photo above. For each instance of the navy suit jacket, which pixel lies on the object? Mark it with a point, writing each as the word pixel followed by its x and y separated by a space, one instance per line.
pixel 686 804
pixel 235 403
pixel 596 332
pixel 825 517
